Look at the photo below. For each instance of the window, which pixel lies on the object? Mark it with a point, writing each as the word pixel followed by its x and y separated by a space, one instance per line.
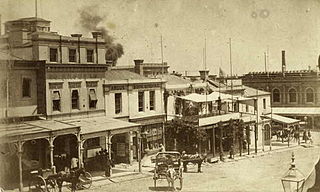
pixel 92 99
pixel 53 54
pixel 26 87
pixel 118 102
pixel 56 106
pixel 72 55
pixel 152 99
pixel 90 55
pixel 75 99
pixel 264 104
pixel 141 100
pixel 276 95
pixel 247 108
pixel 292 95
pixel 309 95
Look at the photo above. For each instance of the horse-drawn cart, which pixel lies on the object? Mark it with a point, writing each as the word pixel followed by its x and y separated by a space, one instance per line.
pixel 40 181
pixel 168 166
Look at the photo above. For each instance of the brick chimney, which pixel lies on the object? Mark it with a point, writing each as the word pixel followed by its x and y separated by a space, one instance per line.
pixel 204 74
pixel 96 34
pixel 138 68
pixel 283 61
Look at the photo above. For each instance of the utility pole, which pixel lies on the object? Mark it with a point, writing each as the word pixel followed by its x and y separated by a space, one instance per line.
pixel 162 64
pixel 231 74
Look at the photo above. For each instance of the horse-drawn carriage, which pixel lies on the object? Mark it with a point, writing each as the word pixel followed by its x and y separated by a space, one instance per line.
pixel 168 166
pixel 78 179
pixel 194 159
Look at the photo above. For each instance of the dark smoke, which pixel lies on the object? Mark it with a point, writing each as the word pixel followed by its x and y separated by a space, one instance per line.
pixel 89 21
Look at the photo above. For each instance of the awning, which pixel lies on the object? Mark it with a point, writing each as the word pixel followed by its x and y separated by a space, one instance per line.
pixel 38 129
pixel 281 119
pixel 296 110
pixel 100 126
pixel 92 95
pixel 214 96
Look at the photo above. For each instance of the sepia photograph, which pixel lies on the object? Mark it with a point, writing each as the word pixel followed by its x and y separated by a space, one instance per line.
pixel 160 95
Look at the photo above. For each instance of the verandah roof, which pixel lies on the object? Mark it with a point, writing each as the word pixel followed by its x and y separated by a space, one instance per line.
pixel 282 119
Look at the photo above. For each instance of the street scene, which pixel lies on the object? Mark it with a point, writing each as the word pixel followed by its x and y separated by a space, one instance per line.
pixel 160 95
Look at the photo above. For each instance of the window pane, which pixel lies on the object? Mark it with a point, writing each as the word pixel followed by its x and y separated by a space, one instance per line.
pixel 92 99
pixel 310 95
pixel 75 99
pixel 276 95
pixel 26 87
pixel 53 54
pixel 90 55
pixel 141 100
pixel 292 95
pixel 72 55
pixel 118 100
pixel 56 101
pixel 152 99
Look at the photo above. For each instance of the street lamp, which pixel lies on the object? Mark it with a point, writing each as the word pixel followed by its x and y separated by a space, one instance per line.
pixel 293 180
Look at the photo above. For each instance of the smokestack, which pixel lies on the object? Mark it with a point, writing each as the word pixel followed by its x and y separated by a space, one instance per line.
pixel 283 61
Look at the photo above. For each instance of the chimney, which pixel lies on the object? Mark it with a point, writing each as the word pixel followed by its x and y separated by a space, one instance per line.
pixel 283 61
pixel 204 74
pixel 138 68
pixel 96 34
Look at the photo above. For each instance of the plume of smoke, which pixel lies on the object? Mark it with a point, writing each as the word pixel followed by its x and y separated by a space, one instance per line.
pixel 90 20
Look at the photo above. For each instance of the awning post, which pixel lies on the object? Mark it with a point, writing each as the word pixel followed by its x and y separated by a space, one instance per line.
pixel 20 143
pixel 51 148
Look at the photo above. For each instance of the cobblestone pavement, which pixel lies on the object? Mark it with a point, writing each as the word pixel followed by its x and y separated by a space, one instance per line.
pixel 260 172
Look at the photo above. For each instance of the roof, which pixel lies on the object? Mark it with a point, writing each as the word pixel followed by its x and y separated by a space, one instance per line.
pixel 30 19
pixel 251 92
pixel 281 119
pixel 174 80
pixel 296 110
pixel 100 125
pixel 28 130
pixel 123 75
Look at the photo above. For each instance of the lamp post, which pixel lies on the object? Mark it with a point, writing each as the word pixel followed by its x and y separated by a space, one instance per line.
pixel 293 180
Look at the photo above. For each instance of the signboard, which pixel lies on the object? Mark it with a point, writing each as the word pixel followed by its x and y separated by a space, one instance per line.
pixel 121 149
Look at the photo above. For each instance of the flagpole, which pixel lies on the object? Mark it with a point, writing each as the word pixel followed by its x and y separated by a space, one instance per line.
pixel 231 75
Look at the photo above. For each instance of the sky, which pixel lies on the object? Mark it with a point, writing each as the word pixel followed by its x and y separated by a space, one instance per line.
pixel 254 27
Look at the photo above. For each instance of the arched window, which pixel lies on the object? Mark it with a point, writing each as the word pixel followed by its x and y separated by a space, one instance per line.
pixel 292 95
pixel 276 95
pixel 309 95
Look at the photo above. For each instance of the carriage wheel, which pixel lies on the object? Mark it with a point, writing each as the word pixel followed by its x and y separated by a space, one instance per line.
pixel 51 185
pixel 37 184
pixel 85 181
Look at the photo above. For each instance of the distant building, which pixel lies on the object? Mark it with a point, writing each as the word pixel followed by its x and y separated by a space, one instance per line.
pixel 293 93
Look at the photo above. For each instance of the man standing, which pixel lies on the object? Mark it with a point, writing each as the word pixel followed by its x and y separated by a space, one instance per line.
pixel 74 163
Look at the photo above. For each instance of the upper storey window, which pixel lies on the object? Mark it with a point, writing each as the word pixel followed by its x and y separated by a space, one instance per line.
pixel 53 55
pixel 292 95
pixel 72 55
pixel 90 55
pixel 309 95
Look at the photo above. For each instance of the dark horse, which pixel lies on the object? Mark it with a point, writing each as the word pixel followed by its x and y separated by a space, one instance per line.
pixel 72 177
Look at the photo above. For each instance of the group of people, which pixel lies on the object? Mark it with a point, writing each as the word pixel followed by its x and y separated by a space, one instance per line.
pixel 104 162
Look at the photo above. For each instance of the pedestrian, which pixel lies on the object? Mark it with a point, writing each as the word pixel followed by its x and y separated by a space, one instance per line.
pixel 305 136
pixel 231 152
pixel 107 166
pixel 309 137
pixel 184 157
pixel 74 163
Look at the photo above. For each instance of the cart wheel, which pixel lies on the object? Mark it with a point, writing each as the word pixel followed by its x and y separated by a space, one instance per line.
pixel 85 181
pixel 37 184
pixel 51 185
pixel 181 181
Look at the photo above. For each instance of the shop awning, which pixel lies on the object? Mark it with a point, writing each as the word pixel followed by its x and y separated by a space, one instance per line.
pixel 296 110
pixel 38 129
pixel 281 119
pixel 100 126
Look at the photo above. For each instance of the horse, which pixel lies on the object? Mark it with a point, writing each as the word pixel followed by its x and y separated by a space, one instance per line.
pixel 72 177
pixel 171 175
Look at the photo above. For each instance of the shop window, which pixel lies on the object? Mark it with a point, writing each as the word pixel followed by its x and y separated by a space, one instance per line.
pixel 141 101
pixel 152 99
pixel 26 87
pixel 90 55
pixel 72 55
pixel 276 95
pixel 75 99
pixel 56 101
pixel 118 102
pixel 53 54
pixel 92 99
pixel 292 95
pixel 309 95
